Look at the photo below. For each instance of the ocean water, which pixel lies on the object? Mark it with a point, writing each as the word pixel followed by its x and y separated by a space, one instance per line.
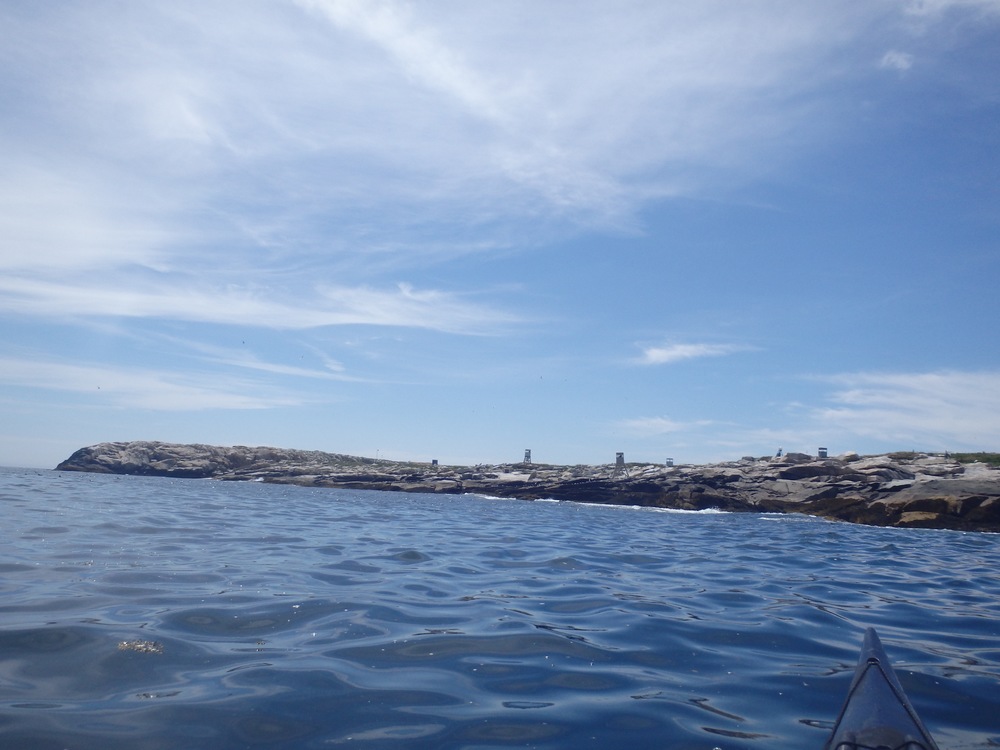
pixel 154 613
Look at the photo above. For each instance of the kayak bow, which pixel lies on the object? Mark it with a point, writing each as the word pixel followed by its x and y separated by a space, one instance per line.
pixel 877 714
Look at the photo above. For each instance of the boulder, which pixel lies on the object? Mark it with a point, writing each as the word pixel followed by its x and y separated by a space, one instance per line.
pixel 794 458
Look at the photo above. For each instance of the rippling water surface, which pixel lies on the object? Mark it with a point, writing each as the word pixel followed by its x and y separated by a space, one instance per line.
pixel 153 613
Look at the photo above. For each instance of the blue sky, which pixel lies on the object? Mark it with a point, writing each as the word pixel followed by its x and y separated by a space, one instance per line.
pixel 457 230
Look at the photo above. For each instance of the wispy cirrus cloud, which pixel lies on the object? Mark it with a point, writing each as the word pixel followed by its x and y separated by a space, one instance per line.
pixel 653 426
pixel 188 300
pixel 498 111
pixel 937 7
pixel 244 359
pixel 414 130
pixel 389 119
pixel 57 223
pixel 941 410
pixel 586 122
pixel 414 46
pixel 671 353
pixel 155 390
pixel 896 60
pixel 936 410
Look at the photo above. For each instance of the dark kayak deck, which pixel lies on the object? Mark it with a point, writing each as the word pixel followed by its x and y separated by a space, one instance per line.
pixel 877 714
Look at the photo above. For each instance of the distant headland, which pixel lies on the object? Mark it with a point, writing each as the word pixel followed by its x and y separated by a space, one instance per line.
pixel 905 489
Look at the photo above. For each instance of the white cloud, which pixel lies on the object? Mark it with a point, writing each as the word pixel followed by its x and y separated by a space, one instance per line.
pixel 934 410
pixel 662 355
pixel 896 60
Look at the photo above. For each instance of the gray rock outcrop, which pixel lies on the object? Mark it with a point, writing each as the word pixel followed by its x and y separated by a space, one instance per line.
pixel 908 490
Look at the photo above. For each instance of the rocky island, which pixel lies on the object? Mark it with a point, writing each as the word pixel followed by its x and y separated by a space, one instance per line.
pixel 905 489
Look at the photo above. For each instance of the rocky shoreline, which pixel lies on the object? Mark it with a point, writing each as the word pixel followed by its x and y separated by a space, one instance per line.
pixel 897 489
